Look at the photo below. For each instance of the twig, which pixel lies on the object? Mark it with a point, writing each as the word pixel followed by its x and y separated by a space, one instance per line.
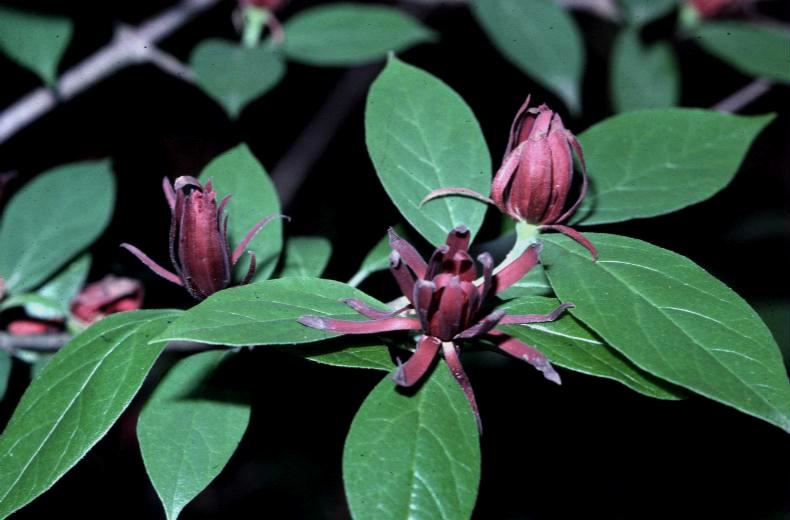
pixel 129 46
pixel 743 97
pixel 50 343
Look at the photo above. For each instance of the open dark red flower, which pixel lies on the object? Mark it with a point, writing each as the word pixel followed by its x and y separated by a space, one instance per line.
pixel 534 181
pixel 109 295
pixel 446 304
pixel 199 248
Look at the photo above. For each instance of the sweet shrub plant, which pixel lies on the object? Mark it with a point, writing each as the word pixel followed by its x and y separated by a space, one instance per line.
pixel 559 295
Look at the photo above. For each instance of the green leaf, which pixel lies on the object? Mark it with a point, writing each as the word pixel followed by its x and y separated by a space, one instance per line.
pixel 422 136
pixel 569 344
pixel 237 172
pixel 754 49
pixel 415 457
pixel 653 162
pixel 534 283
pixel 641 12
pixel 306 256
pixel 234 75
pixel 35 41
pixel 265 313
pixel 52 218
pixel 25 299
pixel 643 77
pixel 5 371
pixel 189 430
pixel 674 320
pixel 350 34
pixel 541 39
pixel 61 289
pixel 360 354
pixel 72 403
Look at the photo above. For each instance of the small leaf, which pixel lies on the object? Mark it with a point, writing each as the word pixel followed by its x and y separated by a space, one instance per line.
pixel 363 354
pixel 569 344
pixel 534 283
pixel 35 41
pixel 5 371
pixel 641 12
pixel 350 34
pixel 754 49
pixel 238 173
pixel 643 77
pixel 61 289
pixel 53 217
pixel 189 430
pixel 415 457
pixel 653 162
pixel 540 38
pixel 674 320
pixel 306 256
pixel 234 75
pixel 265 313
pixel 72 403
pixel 422 136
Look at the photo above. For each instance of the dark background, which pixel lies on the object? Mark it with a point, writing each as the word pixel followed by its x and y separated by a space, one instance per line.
pixel 591 448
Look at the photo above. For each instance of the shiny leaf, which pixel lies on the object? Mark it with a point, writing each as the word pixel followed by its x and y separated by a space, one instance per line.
pixel 61 289
pixel 674 320
pixel 422 136
pixel 306 256
pixel 415 457
pixel 643 77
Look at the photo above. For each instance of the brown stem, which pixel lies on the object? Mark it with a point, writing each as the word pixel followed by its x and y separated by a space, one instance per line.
pixel 54 342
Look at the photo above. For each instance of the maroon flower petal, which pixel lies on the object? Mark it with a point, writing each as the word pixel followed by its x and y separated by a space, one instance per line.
pixel 250 270
pixel 501 183
pixel 451 356
pixel 170 194
pixel 458 239
pixel 423 302
pixel 531 355
pixel 402 275
pixel 464 192
pixel 409 373
pixel 156 268
pixel 487 261
pixel 536 318
pixel 577 148
pixel 516 270
pixel 409 255
pixel 447 320
pixel 483 326
pixel 249 236
pixel 565 230
pixel 369 312
pixel 519 122
pixel 359 327
pixel 435 263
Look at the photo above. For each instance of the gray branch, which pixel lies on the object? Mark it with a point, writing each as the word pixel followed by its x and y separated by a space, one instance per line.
pixel 743 97
pixel 50 343
pixel 128 47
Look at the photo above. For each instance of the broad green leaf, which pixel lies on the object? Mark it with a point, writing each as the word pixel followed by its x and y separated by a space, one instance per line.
pixel 25 299
pixel 61 289
pixel 306 256
pixel 674 320
pixel 238 173
pixel 754 49
pixel 361 354
pixel 188 430
pixel 641 12
pixel 643 77
pixel 5 371
pixel 265 313
pixel 541 39
pixel 569 344
pixel 653 162
pixel 534 283
pixel 35 41
pixel 53 217
pixel 350 34
pixel 72 403
pixel 422 136
pixel 234 75
pixel 415 457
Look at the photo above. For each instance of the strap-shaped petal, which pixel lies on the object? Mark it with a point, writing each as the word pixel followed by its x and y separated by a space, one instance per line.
pixel 409 373
pixel 531 355
pixel 407 252
pixel 536 318
pixel 359 327
pixel 516 270
pixel 451 357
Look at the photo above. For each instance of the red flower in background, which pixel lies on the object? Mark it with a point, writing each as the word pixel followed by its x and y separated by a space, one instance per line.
pixel 109 295
pixel 447 307
pixel 534 180
pixel 199 249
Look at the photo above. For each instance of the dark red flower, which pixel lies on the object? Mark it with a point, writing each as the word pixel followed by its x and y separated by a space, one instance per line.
pixel 714 8
pixel 534 180
pixel 446 304
pixel 199 248
pixel 109 295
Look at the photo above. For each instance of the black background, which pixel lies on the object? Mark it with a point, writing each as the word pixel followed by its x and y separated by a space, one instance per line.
pixel 590 448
